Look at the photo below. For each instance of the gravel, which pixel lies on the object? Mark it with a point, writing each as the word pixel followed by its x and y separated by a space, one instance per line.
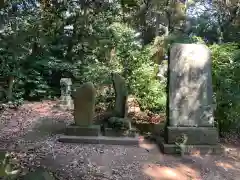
pixel 32 132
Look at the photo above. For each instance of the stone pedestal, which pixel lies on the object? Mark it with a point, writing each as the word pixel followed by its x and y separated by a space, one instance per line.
pixel 73 130
pixel 120 133
pixel 190 125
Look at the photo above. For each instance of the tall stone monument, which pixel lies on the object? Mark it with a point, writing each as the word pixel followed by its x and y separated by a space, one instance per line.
pixel 121 94
pixel 190 124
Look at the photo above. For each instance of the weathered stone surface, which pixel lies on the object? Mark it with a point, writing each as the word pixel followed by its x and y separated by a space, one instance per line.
pixel 119 127
pixel 190 123
pixel 66 88
pixel 93 130
pixel 119 123
pixel 120 107
pixel 191 149
pixel 100 140
pixel 120 133
pixel 190 86
pixel 84 104
pixel 194 135
pixel 157 129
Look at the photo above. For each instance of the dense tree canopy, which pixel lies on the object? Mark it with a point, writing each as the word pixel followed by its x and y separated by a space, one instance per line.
pixel 42 41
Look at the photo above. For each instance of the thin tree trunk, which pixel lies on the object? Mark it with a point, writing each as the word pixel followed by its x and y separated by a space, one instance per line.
pixel 10 88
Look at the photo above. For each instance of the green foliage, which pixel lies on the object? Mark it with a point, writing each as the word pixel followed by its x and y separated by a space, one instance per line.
pixel 138 69
pixel 39 174
pixel 184 39
pixel 119 123
pixel 10 169
pixel 146 87
pixel 226 77
pixel 43 41
pixel 6 167
pixel 127 48
pixel 151 94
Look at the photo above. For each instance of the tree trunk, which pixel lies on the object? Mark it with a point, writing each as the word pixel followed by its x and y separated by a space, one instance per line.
pixel 10 88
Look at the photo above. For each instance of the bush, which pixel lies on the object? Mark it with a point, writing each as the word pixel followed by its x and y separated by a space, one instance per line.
pixel 226 78
pixel 136 65
pixel 146 87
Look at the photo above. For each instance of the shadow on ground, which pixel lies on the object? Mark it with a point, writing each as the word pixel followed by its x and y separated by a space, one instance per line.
pixel 194 166
pixel 39 124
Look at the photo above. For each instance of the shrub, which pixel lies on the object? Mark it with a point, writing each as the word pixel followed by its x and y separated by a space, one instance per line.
pixel 226 78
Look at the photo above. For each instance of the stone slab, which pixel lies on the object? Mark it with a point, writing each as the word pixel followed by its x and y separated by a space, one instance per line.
pixel 84 104
pixel 195 135
pixel 99 140
pixel 113 133
pixel 73 130
pixel 190 86
pixel 192 149
pixel 158 129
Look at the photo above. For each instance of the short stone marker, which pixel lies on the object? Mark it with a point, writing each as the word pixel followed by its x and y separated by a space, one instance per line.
pixel 66 89
pixel 84 107
pixel 84 103
pixel 190 124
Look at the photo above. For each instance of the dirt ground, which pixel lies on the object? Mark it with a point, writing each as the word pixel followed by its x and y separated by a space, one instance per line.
pixel 33 129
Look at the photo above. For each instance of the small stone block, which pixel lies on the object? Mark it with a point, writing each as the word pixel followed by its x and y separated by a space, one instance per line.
pixel 121 133
pixel 132 133
pixel 99 140
pixel 195 135
pixel 74 130
pixel 113 133
pixel 192 149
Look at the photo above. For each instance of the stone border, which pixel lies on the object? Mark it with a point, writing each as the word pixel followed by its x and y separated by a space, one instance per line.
pixel 191 149
pixel 99 140
pixel 194 135
pixel 120 133
pixel 73 130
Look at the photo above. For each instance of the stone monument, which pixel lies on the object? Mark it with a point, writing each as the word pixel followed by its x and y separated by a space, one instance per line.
pixel 190 123
pixel 66 89
pixel 119 124
pixel 84 131
pixel 84 107
pixel 120 106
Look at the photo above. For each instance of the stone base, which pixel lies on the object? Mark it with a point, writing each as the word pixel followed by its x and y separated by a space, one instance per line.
pixel 74 130
pixel 194 135
pixel 191 149
pixel 121 133
pixel 99 140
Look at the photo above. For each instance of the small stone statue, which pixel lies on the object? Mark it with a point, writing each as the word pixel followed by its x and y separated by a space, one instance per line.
pixel 66 86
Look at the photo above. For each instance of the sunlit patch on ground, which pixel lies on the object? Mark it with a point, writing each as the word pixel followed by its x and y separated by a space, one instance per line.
pixel 181 172
pixel 225 165
pixel 232 152
pixel 196 154
pixel 190 173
